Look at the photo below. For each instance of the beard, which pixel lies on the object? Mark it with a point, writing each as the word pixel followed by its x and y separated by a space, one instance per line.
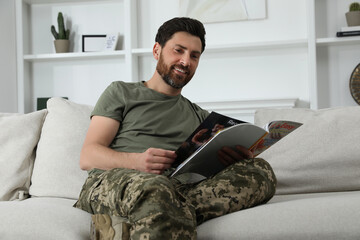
pixel 170 77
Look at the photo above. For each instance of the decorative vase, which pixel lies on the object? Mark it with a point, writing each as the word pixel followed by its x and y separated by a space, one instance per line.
pixel 353 18
pixel 61 45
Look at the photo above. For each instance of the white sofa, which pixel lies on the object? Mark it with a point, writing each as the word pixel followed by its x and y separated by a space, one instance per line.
pixel 317 166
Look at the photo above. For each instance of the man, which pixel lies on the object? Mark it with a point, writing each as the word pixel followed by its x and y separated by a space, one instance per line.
pixel 129 149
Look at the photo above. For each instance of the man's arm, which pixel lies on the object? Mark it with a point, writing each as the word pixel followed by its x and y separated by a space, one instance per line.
pixel 96 153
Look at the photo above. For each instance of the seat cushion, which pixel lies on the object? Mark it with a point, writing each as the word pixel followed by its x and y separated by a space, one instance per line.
pixel 43 219
pixel 299 216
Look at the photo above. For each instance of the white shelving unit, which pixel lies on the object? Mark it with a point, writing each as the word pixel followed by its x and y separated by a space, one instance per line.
pixel 73 56
pixel 334 58
pixel 332 41
pixel 36 55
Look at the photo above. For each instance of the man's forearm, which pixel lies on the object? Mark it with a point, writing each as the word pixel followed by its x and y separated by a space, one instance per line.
pixel 101 157
pixel 153 160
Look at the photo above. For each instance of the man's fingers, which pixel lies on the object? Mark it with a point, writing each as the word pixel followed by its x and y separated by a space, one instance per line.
pixel 228 155
pixel 236 155
pixel 161 153
pixel 225 158
pixel 159 166
pixel 155 171
pixel 161 160
pixel 245 152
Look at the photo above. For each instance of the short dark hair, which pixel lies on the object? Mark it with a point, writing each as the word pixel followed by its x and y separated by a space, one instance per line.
pixel 180 24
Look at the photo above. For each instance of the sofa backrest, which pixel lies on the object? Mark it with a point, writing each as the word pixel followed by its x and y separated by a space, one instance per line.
pixel 322 155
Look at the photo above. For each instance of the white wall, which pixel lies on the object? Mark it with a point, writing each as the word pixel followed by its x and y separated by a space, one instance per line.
pixel 230 76
pixel 241 75
pixel 8 90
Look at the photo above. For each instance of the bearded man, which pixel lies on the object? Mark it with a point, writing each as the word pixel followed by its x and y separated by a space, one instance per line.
pixel 130 146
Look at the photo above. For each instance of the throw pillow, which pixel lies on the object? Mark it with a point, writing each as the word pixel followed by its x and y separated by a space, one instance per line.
pixel 19 136
pixel 264 116
pixel 56 171
pixel 320 156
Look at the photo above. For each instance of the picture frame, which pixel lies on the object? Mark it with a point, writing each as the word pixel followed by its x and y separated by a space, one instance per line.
pixel 216 11
pixel 93 43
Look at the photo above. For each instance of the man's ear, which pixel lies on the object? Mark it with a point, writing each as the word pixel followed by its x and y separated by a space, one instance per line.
pixel 156 50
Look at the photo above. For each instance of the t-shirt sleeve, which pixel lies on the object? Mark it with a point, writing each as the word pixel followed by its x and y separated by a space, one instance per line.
pixel 202 113
pixel 111 103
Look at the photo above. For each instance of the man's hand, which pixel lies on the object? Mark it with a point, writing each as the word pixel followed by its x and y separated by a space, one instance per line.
pixel 154 160
pixel 228 155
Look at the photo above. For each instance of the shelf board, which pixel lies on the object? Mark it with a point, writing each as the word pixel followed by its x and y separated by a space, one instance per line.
pixel 73 56
pixel 332 41
pixel 240 46
pixel 142 51
pixel 258 45
pixel 65 1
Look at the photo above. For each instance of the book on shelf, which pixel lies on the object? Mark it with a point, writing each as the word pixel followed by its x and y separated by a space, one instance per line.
pixel 348 34
pixel 198 153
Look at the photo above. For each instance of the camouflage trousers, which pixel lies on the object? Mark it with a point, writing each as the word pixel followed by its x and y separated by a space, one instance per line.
pixel 158 207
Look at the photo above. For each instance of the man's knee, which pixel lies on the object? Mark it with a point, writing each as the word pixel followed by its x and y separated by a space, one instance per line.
pixel 262 175
pixel 154 189
pixel 158 200
pixel 254 176
pixel 267 172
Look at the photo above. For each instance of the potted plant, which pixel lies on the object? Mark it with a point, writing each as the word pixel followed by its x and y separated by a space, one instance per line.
pixel 353 15
pixel 62 37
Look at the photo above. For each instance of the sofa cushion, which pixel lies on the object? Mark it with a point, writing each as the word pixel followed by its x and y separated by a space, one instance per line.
pixel 44 219
pixel 56 170
pixel 264 116
pixel 19 136
pixel 329 216
pixel 321 155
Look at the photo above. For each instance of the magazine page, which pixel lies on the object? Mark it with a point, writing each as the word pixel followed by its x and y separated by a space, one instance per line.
pixel 204 160
pixel 202 134
pixel 277 130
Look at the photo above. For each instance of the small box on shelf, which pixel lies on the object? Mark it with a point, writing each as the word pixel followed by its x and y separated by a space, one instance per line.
pixel 349 29
pixel 111 41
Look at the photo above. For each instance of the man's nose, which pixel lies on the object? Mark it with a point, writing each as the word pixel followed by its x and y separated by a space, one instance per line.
pixel 185 60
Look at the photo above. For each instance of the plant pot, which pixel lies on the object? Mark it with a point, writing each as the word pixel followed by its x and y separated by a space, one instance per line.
pixel 61 46
pixel 353 18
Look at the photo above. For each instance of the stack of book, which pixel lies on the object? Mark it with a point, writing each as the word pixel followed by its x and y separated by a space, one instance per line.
pixel 349 31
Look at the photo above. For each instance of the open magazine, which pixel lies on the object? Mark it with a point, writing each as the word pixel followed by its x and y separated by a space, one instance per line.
pixel 198 154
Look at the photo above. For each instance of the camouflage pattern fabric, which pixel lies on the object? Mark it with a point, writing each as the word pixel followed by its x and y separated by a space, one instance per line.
pixel 158 207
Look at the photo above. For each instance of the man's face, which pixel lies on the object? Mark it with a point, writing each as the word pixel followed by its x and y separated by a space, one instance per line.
pixel 179 59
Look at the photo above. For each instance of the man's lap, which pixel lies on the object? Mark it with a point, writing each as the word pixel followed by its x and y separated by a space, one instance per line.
pixel 242 185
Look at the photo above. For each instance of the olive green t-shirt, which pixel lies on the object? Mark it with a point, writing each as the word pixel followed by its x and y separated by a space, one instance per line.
pixel 147 118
